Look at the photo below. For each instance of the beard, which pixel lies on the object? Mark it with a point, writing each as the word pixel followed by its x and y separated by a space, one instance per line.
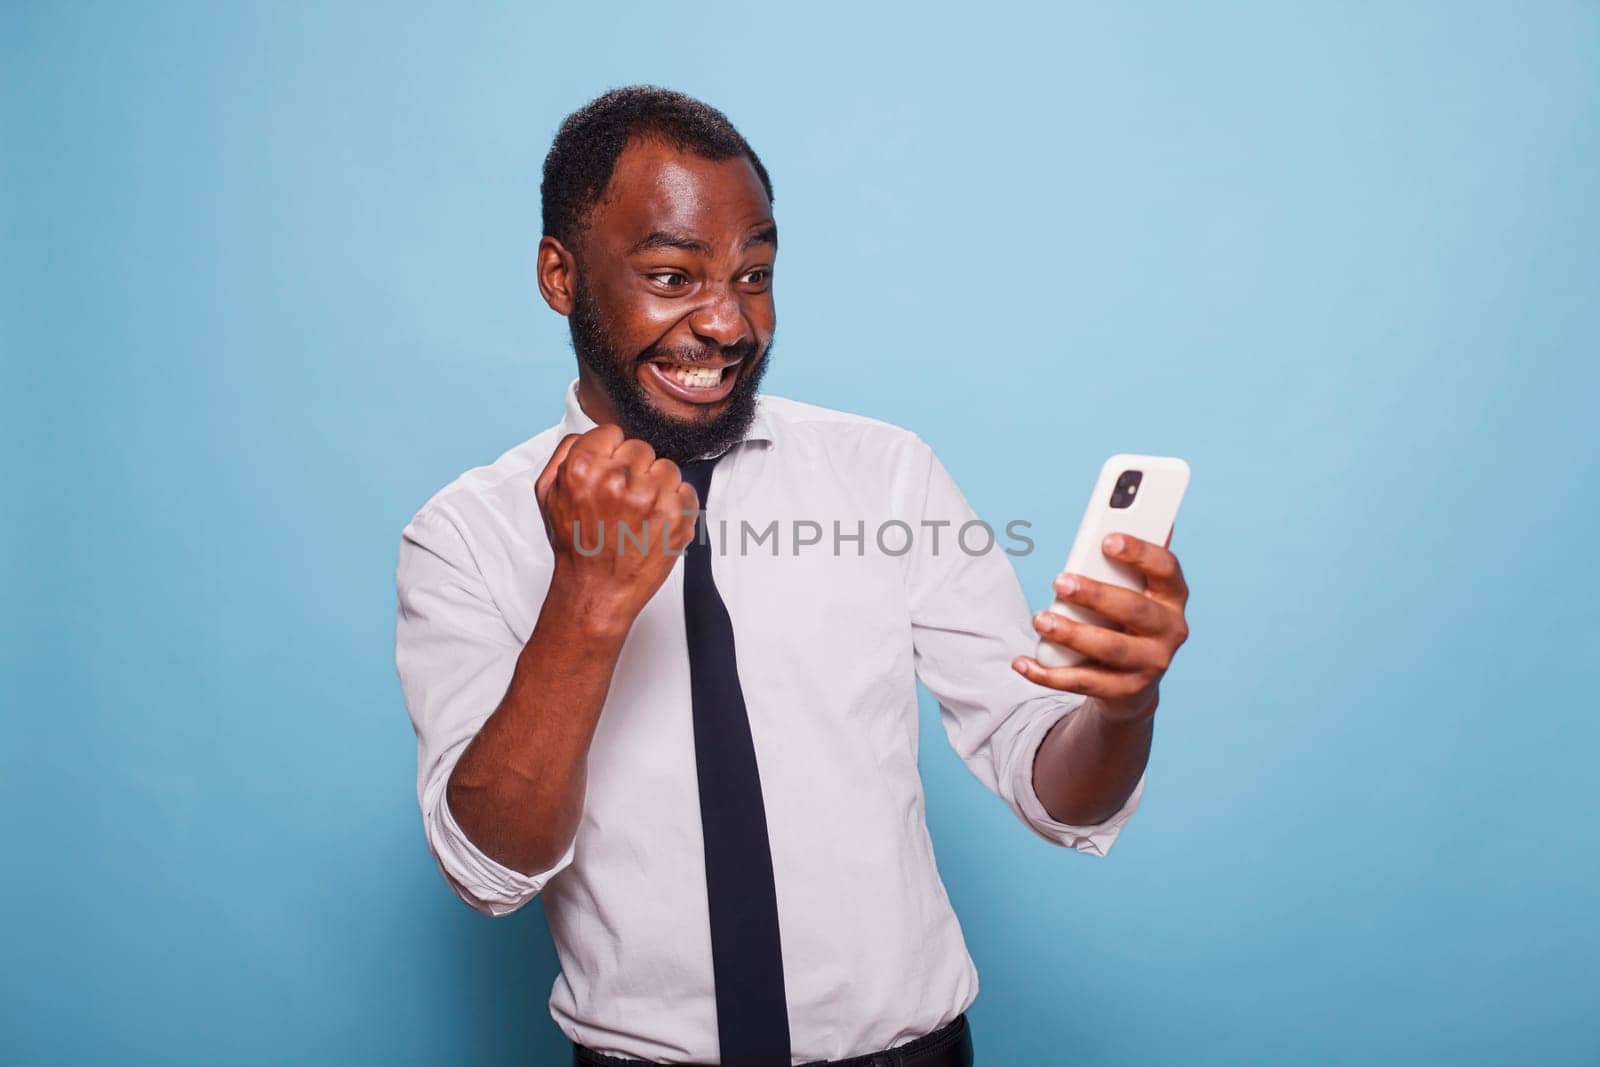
pixel 679 440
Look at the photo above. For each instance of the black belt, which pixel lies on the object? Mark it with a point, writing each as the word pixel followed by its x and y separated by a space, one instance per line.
pixel 948 1046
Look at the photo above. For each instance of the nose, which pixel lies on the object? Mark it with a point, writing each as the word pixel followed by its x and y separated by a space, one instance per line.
pixel 720 320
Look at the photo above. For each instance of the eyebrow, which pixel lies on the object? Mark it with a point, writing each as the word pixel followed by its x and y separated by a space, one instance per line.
pixel 658 239
pixel 767 235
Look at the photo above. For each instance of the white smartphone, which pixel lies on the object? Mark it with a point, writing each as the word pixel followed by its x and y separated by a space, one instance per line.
pixel 1134 494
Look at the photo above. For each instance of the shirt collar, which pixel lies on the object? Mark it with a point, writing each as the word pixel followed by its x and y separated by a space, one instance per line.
pixel 575 420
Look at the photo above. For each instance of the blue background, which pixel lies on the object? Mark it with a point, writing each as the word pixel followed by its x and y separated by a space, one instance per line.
pixel 268 283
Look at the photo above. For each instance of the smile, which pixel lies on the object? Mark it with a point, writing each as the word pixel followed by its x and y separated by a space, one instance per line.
pixel 694 384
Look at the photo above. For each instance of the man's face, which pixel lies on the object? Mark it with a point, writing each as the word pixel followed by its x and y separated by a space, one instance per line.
pixel 672 315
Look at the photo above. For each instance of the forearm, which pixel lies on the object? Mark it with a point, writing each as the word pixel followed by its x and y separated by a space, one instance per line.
pixel 1088 764
pixel 518 788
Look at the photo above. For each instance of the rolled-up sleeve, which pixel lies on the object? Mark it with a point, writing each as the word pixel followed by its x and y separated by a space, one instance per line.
pixel 455 656
pixel 970 619
pixel 1096 838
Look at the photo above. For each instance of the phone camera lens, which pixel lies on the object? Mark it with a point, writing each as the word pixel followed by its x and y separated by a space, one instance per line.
pixel 1128 483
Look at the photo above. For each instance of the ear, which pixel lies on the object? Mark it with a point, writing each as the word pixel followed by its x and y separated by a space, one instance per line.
pixel 557 272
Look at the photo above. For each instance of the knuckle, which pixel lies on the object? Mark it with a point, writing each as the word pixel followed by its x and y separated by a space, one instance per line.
pixel 602 440
pixel 635 450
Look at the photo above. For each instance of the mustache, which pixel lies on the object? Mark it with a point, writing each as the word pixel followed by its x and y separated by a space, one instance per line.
pixel 688 355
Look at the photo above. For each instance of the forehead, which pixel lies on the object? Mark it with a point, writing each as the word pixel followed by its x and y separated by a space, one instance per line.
pixel 658 187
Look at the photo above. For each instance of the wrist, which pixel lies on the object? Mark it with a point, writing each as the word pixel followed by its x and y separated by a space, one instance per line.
pixel 1117 716
pixel 594 612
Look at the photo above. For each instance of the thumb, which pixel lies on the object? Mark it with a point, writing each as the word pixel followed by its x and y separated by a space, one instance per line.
pixel 547 477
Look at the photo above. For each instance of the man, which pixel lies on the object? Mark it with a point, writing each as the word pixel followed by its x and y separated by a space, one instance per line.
pixel 708 767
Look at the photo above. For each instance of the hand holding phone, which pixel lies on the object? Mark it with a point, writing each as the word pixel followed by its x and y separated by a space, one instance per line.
pixel 1134 494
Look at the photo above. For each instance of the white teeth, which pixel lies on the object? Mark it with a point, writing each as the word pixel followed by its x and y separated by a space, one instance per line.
pixel 698 377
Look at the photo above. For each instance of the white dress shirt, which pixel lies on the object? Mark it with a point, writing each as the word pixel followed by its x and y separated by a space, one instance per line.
pixel 829 649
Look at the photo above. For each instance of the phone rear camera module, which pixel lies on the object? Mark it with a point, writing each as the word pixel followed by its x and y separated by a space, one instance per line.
pixel 1127 488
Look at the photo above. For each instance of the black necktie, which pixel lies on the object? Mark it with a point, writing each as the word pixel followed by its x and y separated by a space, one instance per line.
pixel 746 956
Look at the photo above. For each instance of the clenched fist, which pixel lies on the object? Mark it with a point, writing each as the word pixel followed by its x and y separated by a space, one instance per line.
pixel 618 518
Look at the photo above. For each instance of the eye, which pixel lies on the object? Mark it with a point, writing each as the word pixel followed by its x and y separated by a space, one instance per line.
pixel 758 276
pixel 670 279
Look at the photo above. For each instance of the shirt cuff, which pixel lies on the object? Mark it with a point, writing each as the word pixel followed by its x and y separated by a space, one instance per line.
pixel 1096 839
pixel 483 883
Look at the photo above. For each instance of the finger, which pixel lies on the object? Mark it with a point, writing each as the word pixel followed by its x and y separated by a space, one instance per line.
pixel 601 441
pixel 1163 576
pixel 684 515
pixel 640 496
pixel 636 455
pixel 1108 648
pixel 1090 681
pixel 547 477
pixel 1134 612
pixel 665 473
pixel 667 485
pixel 612 481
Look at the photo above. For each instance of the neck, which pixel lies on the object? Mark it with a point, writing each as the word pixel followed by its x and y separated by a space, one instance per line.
pixel 592 398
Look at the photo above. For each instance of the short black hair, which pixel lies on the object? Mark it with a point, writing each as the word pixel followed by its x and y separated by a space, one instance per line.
pixel 590 140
